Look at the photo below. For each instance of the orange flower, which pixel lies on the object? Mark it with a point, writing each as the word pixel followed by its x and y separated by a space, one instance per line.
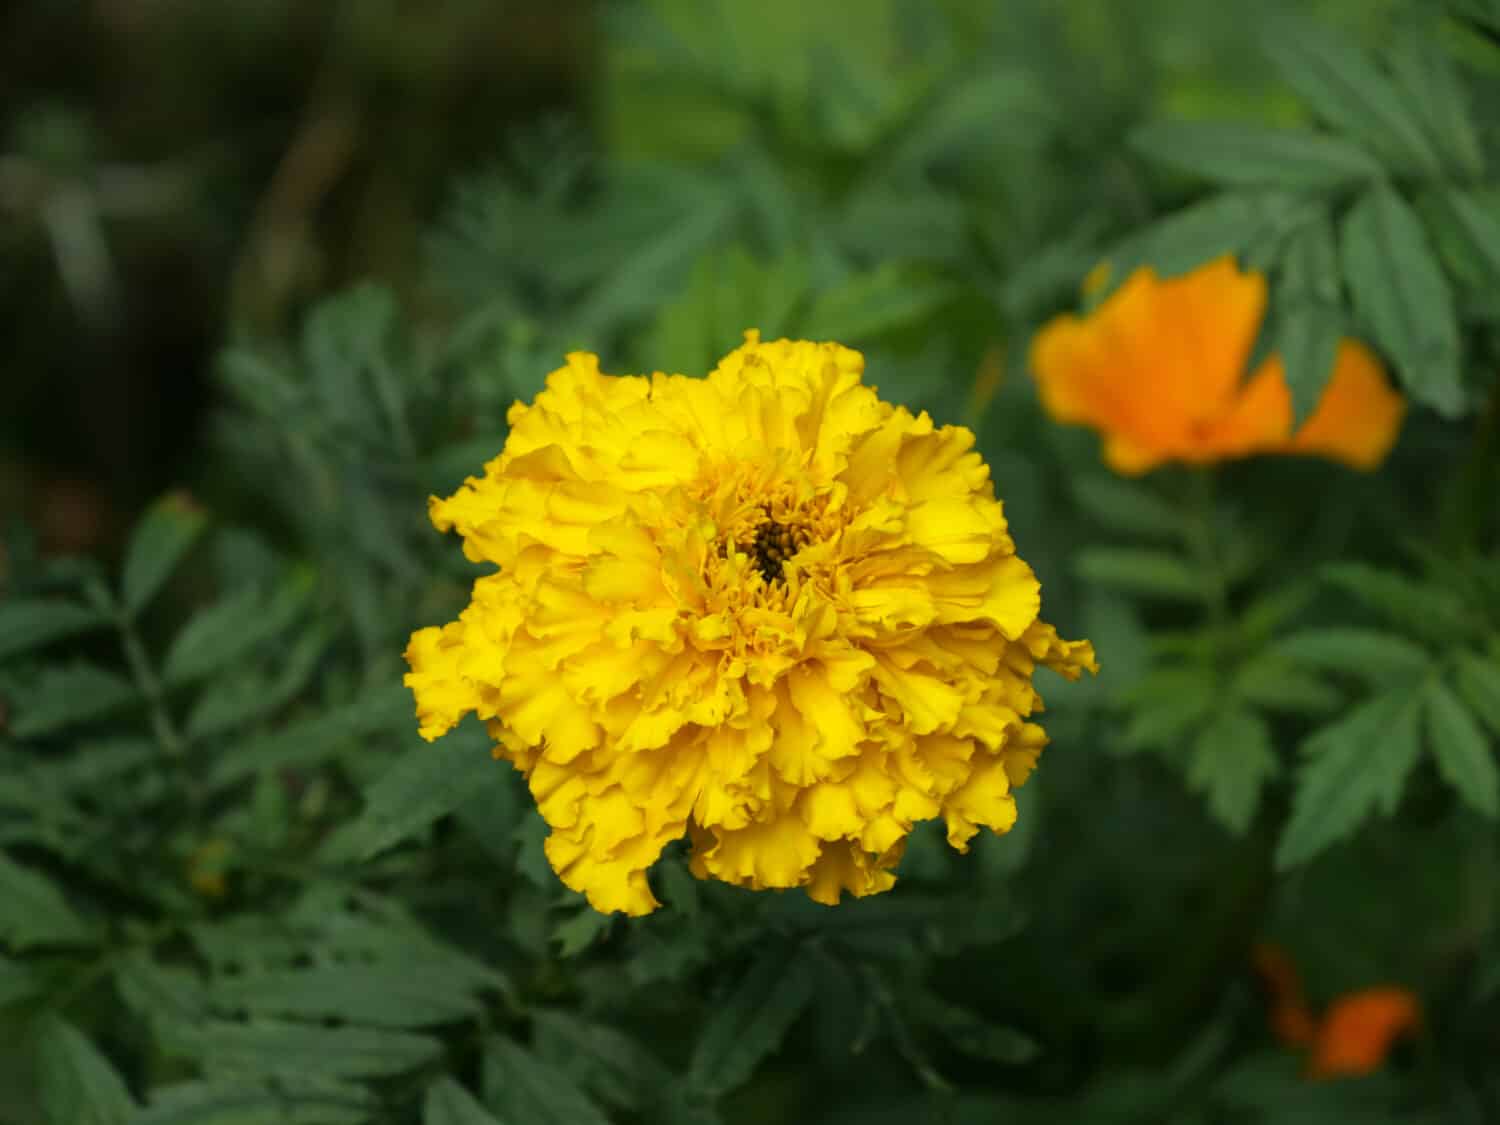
pixel 1291 1019
pixel 1159 369
pixel 1358 1030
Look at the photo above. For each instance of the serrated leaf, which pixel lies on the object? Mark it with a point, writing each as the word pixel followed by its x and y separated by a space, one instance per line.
pixel 1424 608
pixel 1343 85
pixel 448 1103
pixel 750 1023
pixel 1246 155
pixel 607 1063
pixel 34 912
pixel 966 1031
pixel 575 934
pixel 390 995
pixel 1477 215
pixel 228 702
pixel 33 623
pixel 1128 506
pixel 164 996
pixel 19 981
pixel 67 696
pixel 1479 682
pixel 216 635
pixel 276 1048
pixel 77 1084
pixel 286 1101
pixel 311 742
pixel 1228 223
pixel 727 292
pixel 1402 296
pixel 869 304
pixel 1233 758
pixel 1377 656
pixel 523 1088
pixel 380 995
pixel 1139 571
pixel 1433 87
pixel 1464 755
pixel 1273 684
pixel 157 545
pixel 1351 769
pixel 423 785
pixel 1308 322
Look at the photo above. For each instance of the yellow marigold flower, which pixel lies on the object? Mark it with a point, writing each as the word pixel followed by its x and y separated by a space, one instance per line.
pixel 1159 369
pixel 763 609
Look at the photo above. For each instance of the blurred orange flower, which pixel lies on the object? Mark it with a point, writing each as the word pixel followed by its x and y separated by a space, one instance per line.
pixel 1355 1033
pixel 1359 1029
pixel 1159 369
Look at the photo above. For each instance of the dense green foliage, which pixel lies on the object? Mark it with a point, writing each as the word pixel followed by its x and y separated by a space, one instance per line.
pixel 236 887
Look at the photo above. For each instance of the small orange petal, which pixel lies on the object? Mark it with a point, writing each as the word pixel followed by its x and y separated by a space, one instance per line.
pixel 1358 417
pixel 1358 1030
pixel 1290 1018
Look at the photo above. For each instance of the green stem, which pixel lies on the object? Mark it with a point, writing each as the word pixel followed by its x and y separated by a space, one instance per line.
pixel 1204 544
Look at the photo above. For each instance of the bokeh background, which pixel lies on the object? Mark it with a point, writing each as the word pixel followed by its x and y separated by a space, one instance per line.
pixel 287 264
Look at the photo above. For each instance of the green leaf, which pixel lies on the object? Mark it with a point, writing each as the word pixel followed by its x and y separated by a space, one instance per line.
pixel 30 624
pixel 166 997
pixel 293 1049
pixel 523 1088
pixel 220 633
pixel 19 981
pixel 34 912
pixel 751 1022
pixel 1233 758
pixel 381 995
pixel 871 304
pixel 1308 323
pixel 1229 223
pixel 1464 755
pixel 1139 571
pixel 1246 155
pixel 1479 682
pixel 448 1103
pixel 1377 656
pixel 1128 506
pixel 1342 84
pixel 161 538
pixel 78 1085
pixel 1352 768
pixel 608 1064
pixel 233 701
pixel 727 293
pixel 423 785
pixel 1402 296
pixel 285 1101
pixel 66 696
pixel 1272 683
pixel 1423 608
pixel 1477 216
pixel 1433 87
pixel 313 741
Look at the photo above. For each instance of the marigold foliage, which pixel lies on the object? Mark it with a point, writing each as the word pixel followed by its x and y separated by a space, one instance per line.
pixel 1159 369
pixel 763 609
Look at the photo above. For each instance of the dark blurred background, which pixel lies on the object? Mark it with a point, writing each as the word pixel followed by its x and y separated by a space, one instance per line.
pixel 174 174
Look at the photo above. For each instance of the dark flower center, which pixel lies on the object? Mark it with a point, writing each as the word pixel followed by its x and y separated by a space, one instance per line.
pixel 774 544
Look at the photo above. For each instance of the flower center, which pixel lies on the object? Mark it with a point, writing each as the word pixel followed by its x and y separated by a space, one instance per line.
pixel 774 543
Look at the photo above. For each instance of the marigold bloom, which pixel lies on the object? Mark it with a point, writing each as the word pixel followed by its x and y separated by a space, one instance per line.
pixel 1159 369
pixel 1359 1029
pixel 763 609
